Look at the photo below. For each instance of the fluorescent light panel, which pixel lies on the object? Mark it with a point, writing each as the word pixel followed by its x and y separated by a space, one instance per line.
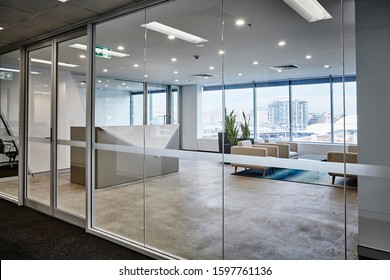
pixel 112 53
pixel 311 10
pixel 9 70
pixel 49 63
pixel 167 30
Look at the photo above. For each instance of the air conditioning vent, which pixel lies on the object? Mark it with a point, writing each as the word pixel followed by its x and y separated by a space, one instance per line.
pixel 284 67
pixel 203 75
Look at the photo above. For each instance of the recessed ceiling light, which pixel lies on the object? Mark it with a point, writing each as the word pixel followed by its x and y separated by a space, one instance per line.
pixel 175 72
pixel 82 83
pixel 63 1
pixel 171 37
pixel 206 78
pixel 310 10
pixel 221 52
pixel 239 74
pixel 82 56
pixel 167 30
pixel 240 22
pixel 123 84
pixel 173 59
pixel 105 70
pixel 255 62
pixel 211 67
pixel 145 76
pixel 280 71
pixel 108 52
pixel 326 66
pixel 1 28
pixel 282 43
pixel 308 56
pixel 199 45
pixel 120 48
pixel 176 81
pixel 136 65
pixel 99 81
pixel 106 85
pixel 107 81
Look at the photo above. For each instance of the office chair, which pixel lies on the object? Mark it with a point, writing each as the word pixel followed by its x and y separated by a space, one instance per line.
pixel 7 150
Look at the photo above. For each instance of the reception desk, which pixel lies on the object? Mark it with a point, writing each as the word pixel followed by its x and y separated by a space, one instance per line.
pixel 119 167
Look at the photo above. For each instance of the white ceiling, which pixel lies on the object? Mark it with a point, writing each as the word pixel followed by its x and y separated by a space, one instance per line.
pixel 271 21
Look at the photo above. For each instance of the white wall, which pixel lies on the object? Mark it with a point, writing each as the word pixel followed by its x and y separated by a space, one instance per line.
pixel 373 103
pixel 71 112
pixel 191 97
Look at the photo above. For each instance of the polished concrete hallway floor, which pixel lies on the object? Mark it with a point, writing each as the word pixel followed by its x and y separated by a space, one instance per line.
pixel 182 214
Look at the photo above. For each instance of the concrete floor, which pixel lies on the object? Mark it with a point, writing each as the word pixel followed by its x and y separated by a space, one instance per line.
pixel 182 214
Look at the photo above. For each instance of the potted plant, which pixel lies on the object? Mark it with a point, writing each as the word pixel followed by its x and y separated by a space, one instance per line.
pixel 245 131
pixel 230 133
pixel 231 129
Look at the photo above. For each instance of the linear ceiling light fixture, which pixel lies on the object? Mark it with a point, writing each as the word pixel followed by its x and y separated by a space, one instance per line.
pixel 170 31
pixel 49 63
pixel 311 10
pixel 109 52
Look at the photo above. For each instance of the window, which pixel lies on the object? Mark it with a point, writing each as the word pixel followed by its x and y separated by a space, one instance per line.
pixel 311 114
pixel 350 112
pixel 311 110
pixel 241 101
pixel 211 113
pixel 157 107
pixel 272 113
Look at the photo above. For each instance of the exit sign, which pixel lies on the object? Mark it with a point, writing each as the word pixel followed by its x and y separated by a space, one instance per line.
pixel 102 51
pixel 6 76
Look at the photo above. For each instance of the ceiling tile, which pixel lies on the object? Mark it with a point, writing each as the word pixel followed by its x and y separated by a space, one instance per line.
pixel 11 15
pixel 101 6
pixel 44 23
pixel 18 33
pixel 69 13
pixel 30 6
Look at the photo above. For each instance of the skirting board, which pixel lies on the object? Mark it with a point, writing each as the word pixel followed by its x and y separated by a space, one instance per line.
pixel 371 253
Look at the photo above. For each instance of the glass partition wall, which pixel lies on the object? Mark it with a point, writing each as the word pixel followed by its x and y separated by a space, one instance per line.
pixel 9 124
pixel 169 174
pixel 56 120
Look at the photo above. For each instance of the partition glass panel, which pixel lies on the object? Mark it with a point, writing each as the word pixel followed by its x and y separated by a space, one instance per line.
pixel 277 207
pixel 71 94
pixel 183 188
pixel 118 190
pixel 9 123
pixel 39 124
pixel 165 187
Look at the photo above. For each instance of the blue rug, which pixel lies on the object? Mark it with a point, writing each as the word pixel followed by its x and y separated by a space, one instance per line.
pixel 296 175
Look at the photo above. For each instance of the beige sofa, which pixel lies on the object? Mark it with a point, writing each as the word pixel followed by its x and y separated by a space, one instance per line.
pixel 339 157
pixel 286 149
pixel 293 153
pixel 245 147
